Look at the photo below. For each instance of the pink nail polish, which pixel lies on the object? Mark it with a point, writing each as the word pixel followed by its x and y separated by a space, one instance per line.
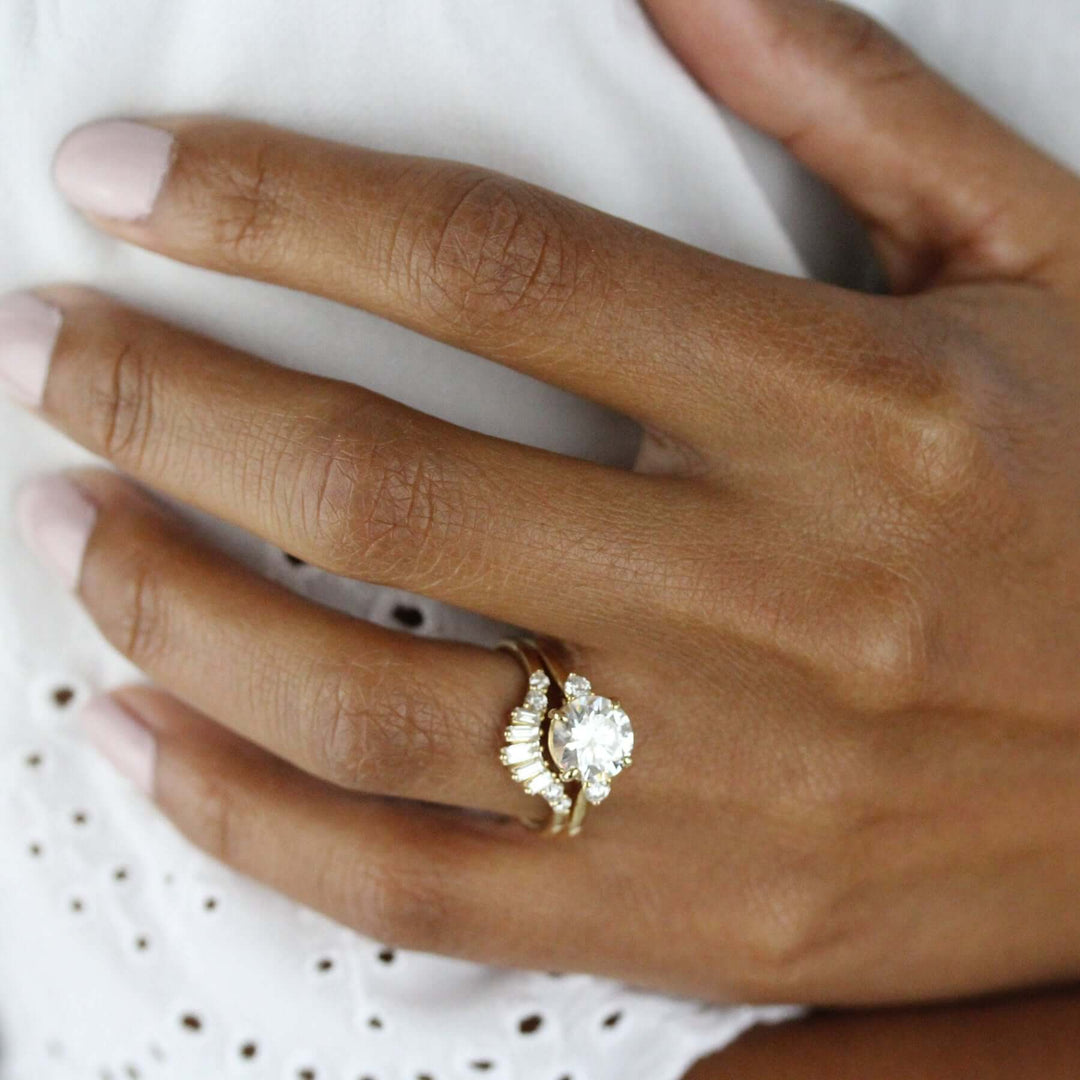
pixel 55 519
pixel 29 328
pixel 121 738
pixel 114 168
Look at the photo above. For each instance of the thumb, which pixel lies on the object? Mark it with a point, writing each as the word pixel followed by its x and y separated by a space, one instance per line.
pixel 948 193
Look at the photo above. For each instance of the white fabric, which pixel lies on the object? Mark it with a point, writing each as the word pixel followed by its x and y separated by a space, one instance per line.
pixel 574 94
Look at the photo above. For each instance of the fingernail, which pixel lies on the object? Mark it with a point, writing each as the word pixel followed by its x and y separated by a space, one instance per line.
pixel 55 519
pixel 29 328
pixel 114 168
pixel 122 738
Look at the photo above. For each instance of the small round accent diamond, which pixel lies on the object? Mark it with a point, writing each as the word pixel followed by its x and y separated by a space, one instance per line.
pixel 597 789
pixel 577 685
pixel 538 680
pixel 536 700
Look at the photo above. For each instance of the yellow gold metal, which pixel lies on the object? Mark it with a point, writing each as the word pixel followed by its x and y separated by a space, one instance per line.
pixel 532 749
pixel 547 670
pixel 534 658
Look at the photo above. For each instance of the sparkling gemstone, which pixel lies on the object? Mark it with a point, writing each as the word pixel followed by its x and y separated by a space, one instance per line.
pixel 590 736
pixel 576 685
pixel 538 680
pixel 530 770
pixel 597 789
pixel 536 700
pixel 521 733
pixel 524 716
pixel 540 783
pixel 555 792
pixel 561 805
pixel 519 753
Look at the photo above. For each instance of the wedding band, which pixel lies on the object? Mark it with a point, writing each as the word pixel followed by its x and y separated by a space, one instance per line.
pixel 564 743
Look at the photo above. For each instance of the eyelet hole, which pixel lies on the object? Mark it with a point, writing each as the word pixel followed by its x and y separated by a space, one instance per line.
pixel 63 696
pixel 409 616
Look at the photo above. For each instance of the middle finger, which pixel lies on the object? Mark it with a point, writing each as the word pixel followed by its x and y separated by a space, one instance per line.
pixel 351 481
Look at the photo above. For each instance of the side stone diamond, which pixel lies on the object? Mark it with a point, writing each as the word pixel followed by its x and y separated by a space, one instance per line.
pixel 577 685
pixel 521 733
pixel 536 700
pixel 524 716
pixel 538 680
pixel 555 791
pixel 530 770
pixel 519 753
pixel 597 789
pixel 539 784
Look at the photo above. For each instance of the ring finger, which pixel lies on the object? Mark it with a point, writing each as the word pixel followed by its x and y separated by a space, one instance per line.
pixel 363 707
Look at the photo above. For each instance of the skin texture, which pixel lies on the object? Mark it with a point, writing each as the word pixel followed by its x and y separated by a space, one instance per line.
pixel 1012 1038
pixel 849 554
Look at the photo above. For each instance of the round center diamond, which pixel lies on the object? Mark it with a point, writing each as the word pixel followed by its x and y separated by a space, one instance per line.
pixel 590 736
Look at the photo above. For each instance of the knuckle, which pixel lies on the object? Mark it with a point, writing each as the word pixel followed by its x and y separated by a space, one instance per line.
pixel 317 489
pixel 881 642
pixel 411 504
pixel 243 201
pixel 498 248
pixel 374 733
pixel 946 458
pixel 789 926
pixel 886 663
pixel 861 43
pixel 940 456
pixel 135 619
pixel 122 406
pixel 380 501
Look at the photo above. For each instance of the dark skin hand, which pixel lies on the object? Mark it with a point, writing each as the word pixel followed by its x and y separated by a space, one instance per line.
pixel 1014 1038
pixel 849 554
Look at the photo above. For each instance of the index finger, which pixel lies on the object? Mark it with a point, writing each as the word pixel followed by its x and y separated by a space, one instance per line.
pixel 483 262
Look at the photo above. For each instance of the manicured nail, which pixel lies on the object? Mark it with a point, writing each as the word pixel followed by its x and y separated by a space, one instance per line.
pixel 114 168
pixel 29 328
pixel 122 738
pixel 55 519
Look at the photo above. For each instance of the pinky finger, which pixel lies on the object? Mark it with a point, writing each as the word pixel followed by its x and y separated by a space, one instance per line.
pixel 407 873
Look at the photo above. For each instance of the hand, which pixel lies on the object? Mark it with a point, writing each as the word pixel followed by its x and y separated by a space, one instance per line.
pixel 840 597
pixel 1000 1038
